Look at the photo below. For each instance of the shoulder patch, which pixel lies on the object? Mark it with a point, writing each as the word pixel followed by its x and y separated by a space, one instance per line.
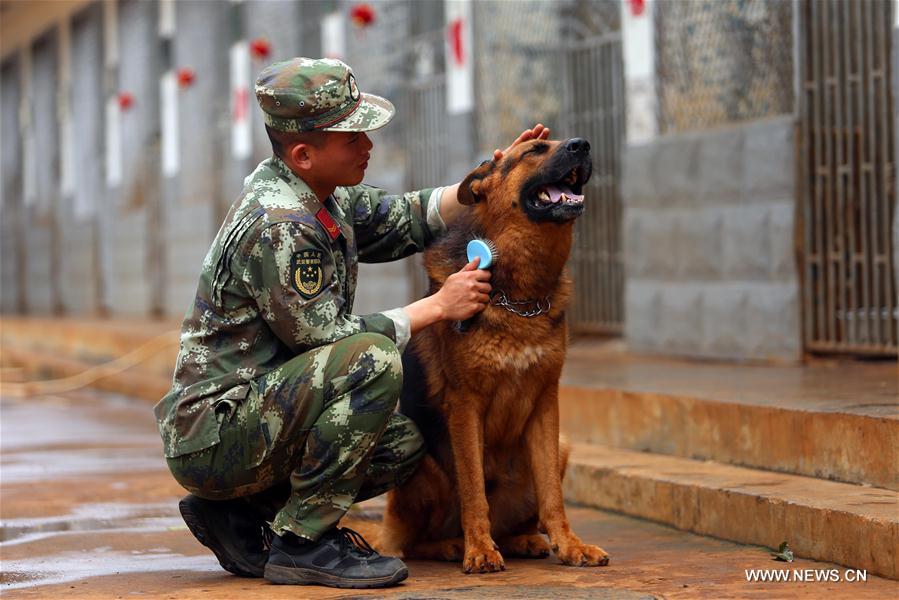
pixel 306 272
pixel 331 228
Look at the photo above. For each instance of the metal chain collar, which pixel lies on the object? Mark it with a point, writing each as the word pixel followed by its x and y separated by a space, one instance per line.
pixel 499 298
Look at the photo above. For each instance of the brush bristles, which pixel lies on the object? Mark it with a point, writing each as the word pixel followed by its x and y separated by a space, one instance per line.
pixel 494 251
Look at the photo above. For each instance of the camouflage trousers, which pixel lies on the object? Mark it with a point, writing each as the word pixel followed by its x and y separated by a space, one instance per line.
pixel 311 438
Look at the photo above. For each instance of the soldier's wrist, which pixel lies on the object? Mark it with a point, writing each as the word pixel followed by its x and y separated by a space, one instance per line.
pixel 425 312
pixel 440 310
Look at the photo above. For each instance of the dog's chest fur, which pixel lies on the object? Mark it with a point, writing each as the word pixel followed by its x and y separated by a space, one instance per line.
pixel 505 354
pixel 502 367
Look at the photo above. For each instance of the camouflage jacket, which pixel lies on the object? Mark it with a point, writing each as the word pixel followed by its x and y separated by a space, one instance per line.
pixel 278 281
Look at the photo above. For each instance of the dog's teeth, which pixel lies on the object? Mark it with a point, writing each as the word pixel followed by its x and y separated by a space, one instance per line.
pixel 564 198
pixel 543 196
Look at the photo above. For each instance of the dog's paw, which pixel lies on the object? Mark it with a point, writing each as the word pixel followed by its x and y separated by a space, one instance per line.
pixel 525 546
pixel 483 558
pixel 582 555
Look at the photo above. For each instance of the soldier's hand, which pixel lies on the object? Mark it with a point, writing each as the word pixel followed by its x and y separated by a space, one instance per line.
pixel 465 293
pixel 539 132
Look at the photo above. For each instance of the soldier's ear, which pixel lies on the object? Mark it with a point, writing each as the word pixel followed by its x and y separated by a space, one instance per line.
pixel 299 156
pixel 470 190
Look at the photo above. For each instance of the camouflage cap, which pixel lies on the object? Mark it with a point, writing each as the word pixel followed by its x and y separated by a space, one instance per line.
pixel 306 94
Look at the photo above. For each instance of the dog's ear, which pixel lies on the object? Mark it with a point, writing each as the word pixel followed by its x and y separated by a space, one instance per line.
pixel 470 189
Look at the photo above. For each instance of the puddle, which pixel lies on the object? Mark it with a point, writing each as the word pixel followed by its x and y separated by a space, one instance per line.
pixel 92 517
pixel 47 465
pixel 11 577
pixel 35 424
pixel 73 566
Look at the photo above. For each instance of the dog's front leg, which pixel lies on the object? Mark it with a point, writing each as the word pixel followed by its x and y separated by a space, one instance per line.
pixel 467 435
pixel 542 441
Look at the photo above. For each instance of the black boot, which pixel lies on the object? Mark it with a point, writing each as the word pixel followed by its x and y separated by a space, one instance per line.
pixel 340 558
pixel 230 528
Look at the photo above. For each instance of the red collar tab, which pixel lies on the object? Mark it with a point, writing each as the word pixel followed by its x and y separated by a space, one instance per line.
pixel 324 217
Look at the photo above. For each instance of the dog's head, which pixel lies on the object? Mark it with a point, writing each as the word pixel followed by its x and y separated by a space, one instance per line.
pixel 542 180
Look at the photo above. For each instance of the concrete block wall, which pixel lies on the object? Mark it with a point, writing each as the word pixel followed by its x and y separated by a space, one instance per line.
pixel 39 268
pixel 203 113
pixel 39 215
pixel 78 264
pixel 78 228
pixel 896 142
pixel 189 232
pixel 708 241
pixel 128 288
pixel 10 169
pixel 278 23
pixel 128 284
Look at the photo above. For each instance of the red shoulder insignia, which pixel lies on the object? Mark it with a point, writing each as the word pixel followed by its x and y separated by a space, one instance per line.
pixel 324 217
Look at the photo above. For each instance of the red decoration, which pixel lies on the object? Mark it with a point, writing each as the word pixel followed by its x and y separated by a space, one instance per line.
pixel 455 41
pixel 126 100
pixel 362 14
pixel 241 104
pixel 637 7
pixel 186 77
pixel 260 48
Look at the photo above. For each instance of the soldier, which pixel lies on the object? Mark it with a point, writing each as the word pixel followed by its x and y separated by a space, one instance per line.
pixel 281 413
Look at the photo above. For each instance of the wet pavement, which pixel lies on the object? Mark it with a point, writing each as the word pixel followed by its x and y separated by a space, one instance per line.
pixel 89 511
pixel 858 387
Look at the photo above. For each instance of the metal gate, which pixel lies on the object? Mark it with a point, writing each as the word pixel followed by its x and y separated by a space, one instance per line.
pixel 595 110
pixel 426 131
pixel 848 170
pixel 428 156
pixel 587 72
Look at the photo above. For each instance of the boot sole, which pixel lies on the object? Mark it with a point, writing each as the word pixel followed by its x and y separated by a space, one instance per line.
pixel 205 536
pixel 296 576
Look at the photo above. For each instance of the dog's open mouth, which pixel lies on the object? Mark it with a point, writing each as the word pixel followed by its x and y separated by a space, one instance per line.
pixel 567 191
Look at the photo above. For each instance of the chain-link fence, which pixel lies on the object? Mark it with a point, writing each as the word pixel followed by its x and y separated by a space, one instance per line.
pixel 722 61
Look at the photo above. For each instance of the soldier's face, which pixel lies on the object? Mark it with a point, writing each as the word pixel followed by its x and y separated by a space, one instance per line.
pixel 343 158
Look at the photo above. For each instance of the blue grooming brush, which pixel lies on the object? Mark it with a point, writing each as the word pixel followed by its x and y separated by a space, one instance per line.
pixel 483 249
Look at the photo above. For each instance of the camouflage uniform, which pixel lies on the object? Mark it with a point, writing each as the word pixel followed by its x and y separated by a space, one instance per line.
pixel 276 379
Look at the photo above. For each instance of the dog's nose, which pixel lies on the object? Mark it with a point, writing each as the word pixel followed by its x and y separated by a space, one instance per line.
pixel 577 146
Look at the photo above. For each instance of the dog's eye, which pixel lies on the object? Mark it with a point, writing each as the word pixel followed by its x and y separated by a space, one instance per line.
pixel 536 149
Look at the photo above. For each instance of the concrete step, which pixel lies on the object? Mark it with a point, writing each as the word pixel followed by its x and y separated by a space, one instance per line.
pixel 833 420
pixel 852 525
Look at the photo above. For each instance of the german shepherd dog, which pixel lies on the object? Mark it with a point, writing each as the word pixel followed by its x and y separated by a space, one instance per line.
pixel 486 399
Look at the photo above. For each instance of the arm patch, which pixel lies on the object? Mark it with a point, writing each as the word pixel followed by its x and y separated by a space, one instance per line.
pixel 306 275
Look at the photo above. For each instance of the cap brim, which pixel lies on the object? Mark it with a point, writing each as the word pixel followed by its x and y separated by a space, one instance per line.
pixel 372 113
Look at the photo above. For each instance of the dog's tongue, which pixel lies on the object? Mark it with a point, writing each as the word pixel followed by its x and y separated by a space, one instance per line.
pixel 555 193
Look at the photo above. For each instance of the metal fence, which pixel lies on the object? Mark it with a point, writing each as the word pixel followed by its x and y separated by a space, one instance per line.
pixel 722 61
pixel 561 64
pixel 427 132
pixel 595 110
pixel 847 158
